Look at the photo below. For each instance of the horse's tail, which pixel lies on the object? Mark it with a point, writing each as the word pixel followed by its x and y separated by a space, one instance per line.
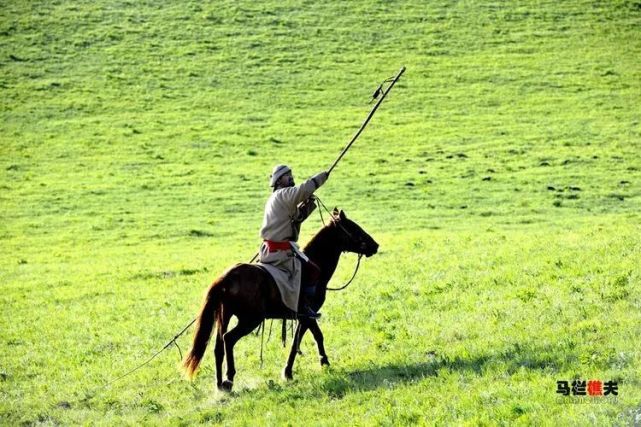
pixel 209 313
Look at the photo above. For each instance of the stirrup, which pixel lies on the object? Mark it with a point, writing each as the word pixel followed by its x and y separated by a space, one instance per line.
pixel 308 313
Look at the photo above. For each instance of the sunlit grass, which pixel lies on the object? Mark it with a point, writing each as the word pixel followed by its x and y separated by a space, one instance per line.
pixel 501 178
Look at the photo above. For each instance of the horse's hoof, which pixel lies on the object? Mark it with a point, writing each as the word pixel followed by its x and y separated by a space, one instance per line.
pixel 226 386
pixel 287 374
pixel 324 361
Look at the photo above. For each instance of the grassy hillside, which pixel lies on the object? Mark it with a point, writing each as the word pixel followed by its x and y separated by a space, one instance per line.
pixel 502 178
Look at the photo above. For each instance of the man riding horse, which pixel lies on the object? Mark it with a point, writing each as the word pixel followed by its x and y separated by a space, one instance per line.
pixel 285 210
pixel 251 292
pixel 247 291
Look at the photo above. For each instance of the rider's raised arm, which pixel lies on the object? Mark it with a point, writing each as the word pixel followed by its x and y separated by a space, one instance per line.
pixel 297 194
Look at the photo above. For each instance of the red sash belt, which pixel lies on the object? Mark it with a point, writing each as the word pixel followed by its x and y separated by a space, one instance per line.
pixel 273 246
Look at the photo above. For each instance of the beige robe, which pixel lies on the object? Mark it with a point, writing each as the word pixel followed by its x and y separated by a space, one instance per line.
pixel 279 226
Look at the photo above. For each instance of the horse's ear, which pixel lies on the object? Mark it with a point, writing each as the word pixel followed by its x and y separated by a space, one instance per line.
pixel 341 214
pixel 335 213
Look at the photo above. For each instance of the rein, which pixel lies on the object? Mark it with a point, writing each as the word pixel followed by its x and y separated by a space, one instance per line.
pixel 320 203
pixel 358 264
pixel 321 206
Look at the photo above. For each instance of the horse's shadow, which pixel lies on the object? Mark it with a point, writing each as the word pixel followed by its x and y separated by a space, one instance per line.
pixel 337 382
pixel 340 382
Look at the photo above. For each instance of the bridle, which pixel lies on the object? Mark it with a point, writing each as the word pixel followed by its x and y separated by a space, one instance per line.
pixel 321 206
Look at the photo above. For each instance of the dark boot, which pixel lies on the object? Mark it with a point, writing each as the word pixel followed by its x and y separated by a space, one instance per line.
pixel 305 306
pixel 306 312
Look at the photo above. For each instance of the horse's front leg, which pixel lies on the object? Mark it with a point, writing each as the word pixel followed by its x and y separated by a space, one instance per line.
pixel 298 337
pixel 318 337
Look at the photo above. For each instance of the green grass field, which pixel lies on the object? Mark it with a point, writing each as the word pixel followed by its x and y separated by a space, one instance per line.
pixel 501 177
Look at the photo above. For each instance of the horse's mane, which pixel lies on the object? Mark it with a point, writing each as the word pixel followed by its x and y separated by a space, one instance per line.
pixel 319 241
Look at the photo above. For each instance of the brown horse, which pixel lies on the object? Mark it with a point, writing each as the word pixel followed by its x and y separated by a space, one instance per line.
pixel 250 293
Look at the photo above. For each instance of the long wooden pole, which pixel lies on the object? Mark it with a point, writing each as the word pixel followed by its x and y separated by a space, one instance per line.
pixel 369 117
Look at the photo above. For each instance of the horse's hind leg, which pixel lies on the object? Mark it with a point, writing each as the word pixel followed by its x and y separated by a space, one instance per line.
pixel 219 349
pixel 318 336
pixel 244 327
pixel 298 337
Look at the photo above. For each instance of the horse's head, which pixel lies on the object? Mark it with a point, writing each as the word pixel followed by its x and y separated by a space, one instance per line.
pixel 353 238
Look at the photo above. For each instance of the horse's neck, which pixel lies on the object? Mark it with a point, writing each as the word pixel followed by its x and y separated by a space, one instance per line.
pixel 325 252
